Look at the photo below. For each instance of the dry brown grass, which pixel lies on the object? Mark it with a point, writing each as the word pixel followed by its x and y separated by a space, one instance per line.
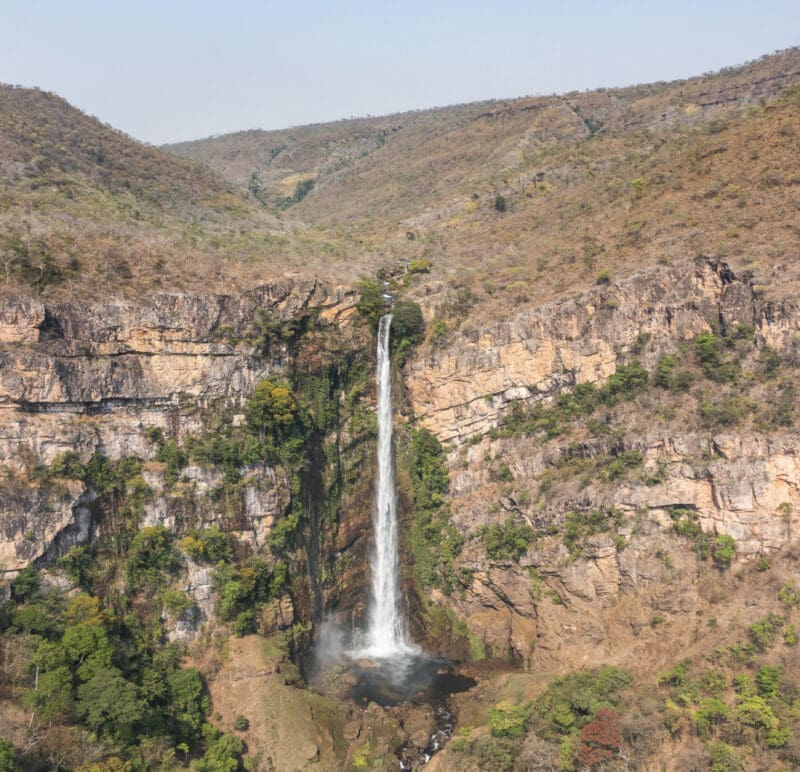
pixel 613 179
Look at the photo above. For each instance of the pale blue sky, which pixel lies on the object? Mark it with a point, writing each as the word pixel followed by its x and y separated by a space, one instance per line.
pixel 181 69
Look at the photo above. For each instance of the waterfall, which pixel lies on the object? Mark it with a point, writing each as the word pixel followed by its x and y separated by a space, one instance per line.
pixel 387 635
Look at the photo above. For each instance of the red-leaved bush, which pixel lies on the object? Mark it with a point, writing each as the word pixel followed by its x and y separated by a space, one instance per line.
pixel 600 738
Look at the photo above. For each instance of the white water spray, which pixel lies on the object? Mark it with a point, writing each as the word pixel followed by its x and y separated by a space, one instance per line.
pixel 387 636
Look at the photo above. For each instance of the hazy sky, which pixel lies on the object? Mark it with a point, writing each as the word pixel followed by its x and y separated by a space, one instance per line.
pixel 181 69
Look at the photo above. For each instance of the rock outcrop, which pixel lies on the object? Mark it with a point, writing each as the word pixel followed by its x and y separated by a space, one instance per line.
pixel 97 377
pixel 745 485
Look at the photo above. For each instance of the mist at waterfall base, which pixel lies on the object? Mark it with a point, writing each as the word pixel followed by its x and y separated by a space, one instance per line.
pixel 408 676
pixel 388 667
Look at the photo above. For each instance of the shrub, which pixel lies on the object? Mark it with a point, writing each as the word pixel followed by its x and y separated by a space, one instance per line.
pixel 763 633
pixel 724 550
pixel 682 381
pixel 711 711
pixel 686 523
pixel 769 361
pixel 580 524
pixel 789 595
pixel 151 554
pixel 500 203
pixel 420 265
pixel 754 712
pixel 69 466
pixel 506 720
pixel 728 411
pixel 244 623
pixel 618 465
pixel 663 374
pixel 708 351
pixel 627 381
pixel 207 545
pixel 173 457
pixel 781 411
pixel 25 585
pixel 8 757
pixel 241 723
pixel 768 679
pixel 176 602
pixel 724 758
pixel 676 676
pixel 506 541
pixel 600 739
pixel 498 754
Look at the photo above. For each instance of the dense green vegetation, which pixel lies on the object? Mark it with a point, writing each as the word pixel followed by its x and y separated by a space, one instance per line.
pixel 99 663
pixel 576 719
pixel 507 540
pixel 107 667
pixel 435 544
pixel 408 326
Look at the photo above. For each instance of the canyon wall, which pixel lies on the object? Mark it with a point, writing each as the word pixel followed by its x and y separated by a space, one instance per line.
pixel 101 376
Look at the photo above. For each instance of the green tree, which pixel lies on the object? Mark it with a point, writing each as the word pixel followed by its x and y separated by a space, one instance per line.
pixel 25 585
pixel 8 757
pixel 724 550
pixel 371 304
pixel 110 705
pixel 52 696
pixel 506 541
pixel 151 554
pixel 507 720
pixel 407 330
pixel 87 648
pixel 711 712
pixel 187 705
pixel 724 758
pixel 275 417
pixel 663 375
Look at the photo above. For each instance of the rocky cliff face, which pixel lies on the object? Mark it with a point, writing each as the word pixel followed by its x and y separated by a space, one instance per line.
pixel 742 482
pixel 119 359
pixel 97 376
pixel 579 543
pixel 462 387
pixel 91 379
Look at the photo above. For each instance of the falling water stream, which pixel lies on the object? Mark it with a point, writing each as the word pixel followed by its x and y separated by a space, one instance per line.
pixel 387 634
pixel 390 669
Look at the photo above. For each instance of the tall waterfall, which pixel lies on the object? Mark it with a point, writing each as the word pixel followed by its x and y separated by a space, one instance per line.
pixel 387 635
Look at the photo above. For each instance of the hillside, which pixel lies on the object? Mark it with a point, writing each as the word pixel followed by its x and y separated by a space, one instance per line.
pixel 83 206
pixel 546 191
